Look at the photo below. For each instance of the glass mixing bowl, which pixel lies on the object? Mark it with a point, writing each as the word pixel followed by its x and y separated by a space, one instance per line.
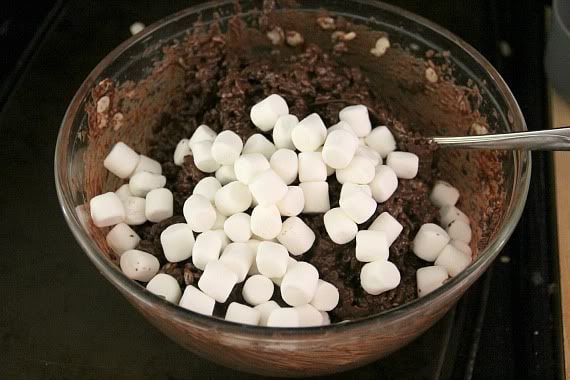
pixel 341 346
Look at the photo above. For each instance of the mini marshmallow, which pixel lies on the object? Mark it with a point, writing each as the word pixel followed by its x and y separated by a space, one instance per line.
pixel 238 227
pixel 265 114
pixel 405 164
pixel 282 131
pixel 207 248
pixel 309 134
pixel 220 220
pixel 293 202
pixel 139 265
pixel 459 230
pixel 177 241
pixel 358 206
pixel 147 164
pixel 249 165
pixel 203 159
pixel 309 316
pixel 285 163
pixel 453 260
pixel 159 205
pixel 240 313
pixel 429 279
pixel 379 276
pixel 226 174
pixel 122 238
pixel 339 226
pixel 348 189
pixel 227 147
pixel 326 318
pixel 165 286
pixel 443 194
pixel 143 182
pixel 182 150
pixel 257 143
pixel 384 184
pixel 207 187
pixel 217 281
pixel 106 210
pixel 316 197
pixel 196 301
pixel 238 257
pixel 121 160
pixel 381 140
pixel 312 167
pixel 360 171
pixel 371 246
pixel 268 188
pixel 296 236
pixel 358 119
pixel 389 225
pixel 233 198
pixel 448 214
pixel 326 296
pixel 199 213
pixel 299 284
pixel 265 309
pixel 271 259
pixel 462 246
pixel 290 262
pixel 257 290
pixel 429 241
pixel 266 221
pixel 222 236
pixel 202 133
pixel 361 142
pixel 339 149
pixel 283 317
pixel 124 192
pixel 343 125
pixel 135 213
pixel 370 154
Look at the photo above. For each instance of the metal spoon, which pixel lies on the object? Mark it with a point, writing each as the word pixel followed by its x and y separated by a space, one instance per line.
pixel 548 139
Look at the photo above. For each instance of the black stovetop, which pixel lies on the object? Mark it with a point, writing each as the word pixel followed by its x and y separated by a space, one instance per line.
pixel 61 319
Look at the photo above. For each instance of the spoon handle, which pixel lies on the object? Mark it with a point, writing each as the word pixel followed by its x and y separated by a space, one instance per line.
pixel 548 139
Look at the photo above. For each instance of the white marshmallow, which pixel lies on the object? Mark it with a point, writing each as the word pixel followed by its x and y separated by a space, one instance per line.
pixel 312 168
pixel 257 290
pixel 371 246
pixel 379 277
pixel 369 153
pixel 271 259
pixel 207 248
pixel 343 125
pixel 443 194
pixel 177 241
pixel 123 192
pixel 165 286
pixel 339 149
pixel 453 260
pixel 265 114
pixel 277 280
pixel 340 227
pixel 238 227
pixel 222 236
pixel 405 164
pixel 448 214
pixel 293 202
pixel 299 284
pixel 266 221
pixel 459 230
pixel 257 143
pixel 249 165
pixel 227 147
pixel 296 236
pixel 348 189
pixel 309 316
pixel 217 281
pixel 283 317
pixel 122 238
pixel 389 225
pixel 139 265
pixel 358 206
pixel 233 198
pixel 429 279
pixel 207 187
pixel 147 164
pixel 121 160
pixel 220 220
pixel 326 318
pixel 238 257
pixel 429 241
pixel 106 210
pixel 159 205
pixel 384 184
pixel 358 119
pixel 203 159
pixel 135 214
pixel 462 246
pixel 268 188
pixel 240 313
pixel 182 150
pixel 202 133
pixel 226 174
pixel 381 140
pixel 360 171
pixel 196 301
pixel 199 213
pixel 309 134
pixel 285 163
pixel 316 197
pixel 143 182
pixel 265 310
pixel 326 296
pixel 282 131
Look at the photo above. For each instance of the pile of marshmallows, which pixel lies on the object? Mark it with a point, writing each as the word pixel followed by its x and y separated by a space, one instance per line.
pixel 231 244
